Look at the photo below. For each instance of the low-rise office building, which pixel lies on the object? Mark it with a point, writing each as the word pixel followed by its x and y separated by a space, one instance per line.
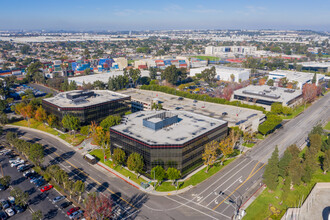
pixel 293 76
pixel 230 51
pixel 226 73
pixel 267 95
pixel 167 138
pixel 88 106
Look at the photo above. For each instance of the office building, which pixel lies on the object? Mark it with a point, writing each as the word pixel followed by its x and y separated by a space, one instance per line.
pixel 267 95
pixel 167 138
pixel 88 106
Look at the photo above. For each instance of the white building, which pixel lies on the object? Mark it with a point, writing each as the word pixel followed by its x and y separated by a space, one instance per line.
pixel 225 73
pixel 230 51
pixel 300 77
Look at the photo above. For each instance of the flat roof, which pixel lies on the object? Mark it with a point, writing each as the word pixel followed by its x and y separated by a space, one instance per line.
pixel 235 116
pixel 190 126
pixel 296 76
pixel 269 93
pixel 100 96
pixel 103 77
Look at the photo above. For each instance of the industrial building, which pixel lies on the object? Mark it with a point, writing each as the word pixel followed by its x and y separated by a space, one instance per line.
pixel 315 66
pixel 226 73
pixel 246 119
pixel 265 96
pixel 293 76
pixel 167 138
pixel 88 106
pixel 103 77
pixel 230 51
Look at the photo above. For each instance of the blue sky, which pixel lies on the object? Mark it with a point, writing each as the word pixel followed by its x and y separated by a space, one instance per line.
pixel 157 15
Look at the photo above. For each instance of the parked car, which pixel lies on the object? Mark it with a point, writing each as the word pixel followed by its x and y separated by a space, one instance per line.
pixel 15 164
pixel 18 209
pixel 4 204
pixel 35 179
pixel 40 183
pixel 65 205
pixel 76 214
pixel 10 212
pixel 46 188
pixel 224 113
pixel 72 210
pixel 2 187
pixel 11 200
pixel 58 199
pixel 3 215
pixel 28 173
pixel 24 168
pixel 16 160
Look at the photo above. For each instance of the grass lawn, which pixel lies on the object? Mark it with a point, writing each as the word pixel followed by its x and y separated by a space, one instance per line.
pixel 195 179
pixel 74 140
pixel 249 145
pixel 327 127
pixel 260 136
pixel 260 208
pixel 207 57
pixel 99 154
pixel 296 112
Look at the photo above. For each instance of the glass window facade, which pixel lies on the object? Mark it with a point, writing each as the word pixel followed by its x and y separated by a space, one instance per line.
pixel 181 157
pixel 90 113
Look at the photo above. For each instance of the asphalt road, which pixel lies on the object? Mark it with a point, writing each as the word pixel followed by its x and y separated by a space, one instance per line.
pixel 37 200
pixel 216 198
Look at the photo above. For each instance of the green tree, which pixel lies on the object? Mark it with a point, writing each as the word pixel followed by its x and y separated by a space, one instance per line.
pixel 21 198
pixel 37 215
pixel 36 153
pixel 314 79
pixel 277 108
pixel 40 114
pixel 296 169
pixel 118 156
pixel 284 164
pixel 286 188
pixel 25 49
pixel 3 119
pixel 51 119
pixel 72 85
pixel 110 121
pixel 173 174
pixel 326 161
pixel 71 123
pixel 135 163
pixel 210 154
pixel 135 75
pixel 79 187
pixel 209 74
pixel 84 130
pixel 152 73
pixel 286 110
pixel 158 173
pixel 5 180
pixel 272 171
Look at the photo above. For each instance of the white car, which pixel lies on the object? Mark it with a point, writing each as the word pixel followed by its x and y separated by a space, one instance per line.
pixel 10 212
pixel 27 172
pixel 16 160
pixel 16 164
pixel 76 214
pixel 11 199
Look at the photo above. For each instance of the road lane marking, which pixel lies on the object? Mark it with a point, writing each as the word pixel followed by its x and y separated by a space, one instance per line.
pixel 224 191
pixel 239 186
pixel 196 209
pixel 226 180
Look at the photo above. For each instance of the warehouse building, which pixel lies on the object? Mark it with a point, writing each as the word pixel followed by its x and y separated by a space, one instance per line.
pixel 88 106
pixel 314 66
pixel 167 138
pixel 265 96
pixel 230 51
pixel 226 73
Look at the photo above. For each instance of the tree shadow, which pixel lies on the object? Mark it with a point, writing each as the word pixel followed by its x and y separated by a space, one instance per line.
pixel 38 198
pixel 18 181
pixel 68 155
pixel 102 187
pixel 78 174
pixel 49 150
pixel 90 186
pixel 51 214
pixel 30 191
pixel 131 208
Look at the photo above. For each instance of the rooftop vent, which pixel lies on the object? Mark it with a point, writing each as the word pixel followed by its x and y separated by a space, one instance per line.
pixel 79 94
pixel 289 90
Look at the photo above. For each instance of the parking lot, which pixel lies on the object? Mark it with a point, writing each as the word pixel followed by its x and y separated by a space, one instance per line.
pixel 38 200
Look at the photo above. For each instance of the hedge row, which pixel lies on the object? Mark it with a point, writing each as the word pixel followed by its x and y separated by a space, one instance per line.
pixel 200 97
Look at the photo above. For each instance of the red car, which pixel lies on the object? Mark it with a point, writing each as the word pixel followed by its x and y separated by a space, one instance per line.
pixel 72 210
pixel 46 188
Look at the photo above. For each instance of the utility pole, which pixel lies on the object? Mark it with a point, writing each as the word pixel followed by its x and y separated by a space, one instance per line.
pixel 1 170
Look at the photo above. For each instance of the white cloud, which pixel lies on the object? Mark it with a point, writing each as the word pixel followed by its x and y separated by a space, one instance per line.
pixel 125 12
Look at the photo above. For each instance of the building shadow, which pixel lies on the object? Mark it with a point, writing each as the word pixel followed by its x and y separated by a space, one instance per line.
pixel 131 208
